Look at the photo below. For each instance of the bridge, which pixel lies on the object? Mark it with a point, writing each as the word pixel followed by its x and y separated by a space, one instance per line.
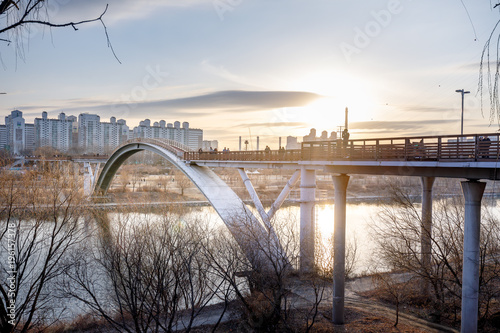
pixel 468 157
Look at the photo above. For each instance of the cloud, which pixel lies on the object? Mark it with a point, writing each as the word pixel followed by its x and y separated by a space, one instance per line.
pixel 259 100
pixel 420 109
pixel 193 106
pixel 118 10
pixel 395 126
pixel 275 124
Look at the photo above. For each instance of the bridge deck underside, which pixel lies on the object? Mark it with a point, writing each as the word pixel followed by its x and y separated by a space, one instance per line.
pixel 467 170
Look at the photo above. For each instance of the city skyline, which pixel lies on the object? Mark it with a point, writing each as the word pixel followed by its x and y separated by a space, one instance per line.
pixel 266 69
pixel 88 134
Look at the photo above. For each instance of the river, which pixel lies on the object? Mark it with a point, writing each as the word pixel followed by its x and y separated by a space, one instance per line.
pixel 359 216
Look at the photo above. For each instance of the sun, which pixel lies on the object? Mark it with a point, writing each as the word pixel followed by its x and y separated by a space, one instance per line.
pixel 338 92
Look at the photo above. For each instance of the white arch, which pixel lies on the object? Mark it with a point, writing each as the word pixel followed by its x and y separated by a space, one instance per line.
pixel 241 222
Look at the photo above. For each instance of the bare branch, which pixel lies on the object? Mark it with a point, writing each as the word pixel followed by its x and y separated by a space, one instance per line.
pixel 29 16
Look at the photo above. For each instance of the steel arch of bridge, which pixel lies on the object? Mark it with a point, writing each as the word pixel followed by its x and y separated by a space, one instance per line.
pixel 238 218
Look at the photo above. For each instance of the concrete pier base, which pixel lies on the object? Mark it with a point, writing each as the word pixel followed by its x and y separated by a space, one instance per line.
pixel 473 193
pixel 340 185
pixel 307 219
pixel 426 230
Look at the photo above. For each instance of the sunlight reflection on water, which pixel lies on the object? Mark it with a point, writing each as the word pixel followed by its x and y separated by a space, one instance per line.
pixel 358 218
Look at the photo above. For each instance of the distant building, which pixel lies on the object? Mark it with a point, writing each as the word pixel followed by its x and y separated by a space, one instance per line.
pixel 29 137
pixel 291 143
pixel 113 134
pixel 324 136
pixel 311 136
pixel 74 131
pixel 96 137
pixel 207 144
pixel 89 133
pixel 3 137
pixel 191 137
pixel 55 133
pixel 15 132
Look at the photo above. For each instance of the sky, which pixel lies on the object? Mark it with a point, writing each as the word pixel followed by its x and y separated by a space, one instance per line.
pixel 267 68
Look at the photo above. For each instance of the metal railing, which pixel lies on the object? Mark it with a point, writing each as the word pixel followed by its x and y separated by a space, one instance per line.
pixel 470 147
pixel 254 155
pixel 168 144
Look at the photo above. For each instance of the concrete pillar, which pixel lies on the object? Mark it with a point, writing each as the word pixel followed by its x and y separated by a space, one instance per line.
pixel 279 145
pixel 258 142
pixel 239 147
pixel 426 230
pixel 307 217
pixel 88 179
pixel 255 198
pixel 473 193
pixel 340 185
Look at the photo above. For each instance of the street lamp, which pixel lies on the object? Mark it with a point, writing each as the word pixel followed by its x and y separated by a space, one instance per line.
pixel 462 122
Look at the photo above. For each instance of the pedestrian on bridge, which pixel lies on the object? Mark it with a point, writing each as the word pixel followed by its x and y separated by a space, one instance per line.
pixel 345 139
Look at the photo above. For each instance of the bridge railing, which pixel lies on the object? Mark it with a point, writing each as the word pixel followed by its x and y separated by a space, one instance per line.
pixel 451 147
pixel 418 148
pixel 170 145
pixel 254 155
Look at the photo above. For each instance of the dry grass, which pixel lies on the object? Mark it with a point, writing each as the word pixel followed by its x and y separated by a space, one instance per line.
pixel 357 321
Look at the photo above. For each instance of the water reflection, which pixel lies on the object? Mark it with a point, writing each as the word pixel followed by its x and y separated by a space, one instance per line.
pixel 359 216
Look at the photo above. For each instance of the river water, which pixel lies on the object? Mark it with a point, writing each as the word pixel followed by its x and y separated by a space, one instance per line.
pixel 359 217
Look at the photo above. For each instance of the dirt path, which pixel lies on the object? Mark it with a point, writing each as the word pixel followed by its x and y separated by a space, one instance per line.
pixel 353 300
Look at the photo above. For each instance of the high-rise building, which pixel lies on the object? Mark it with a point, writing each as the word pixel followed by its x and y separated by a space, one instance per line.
pixel 89 133
pixel 191 137
pixel 29 137
pixel 74 131
pixel 291 143
pixel 15 130
pixel 207 144
pixel 113 133
pixel 3 137
pixel 55 133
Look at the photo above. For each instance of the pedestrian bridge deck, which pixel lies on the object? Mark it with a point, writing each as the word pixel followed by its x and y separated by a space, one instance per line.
pixel 454 156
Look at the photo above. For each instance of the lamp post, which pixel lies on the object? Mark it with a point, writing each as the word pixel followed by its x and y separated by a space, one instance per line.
pixel 462 122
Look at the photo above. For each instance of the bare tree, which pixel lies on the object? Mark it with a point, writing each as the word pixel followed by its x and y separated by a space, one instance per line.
pixel 124 178
pixel 163 181
pixel 398 240
pixel 19 16
pixel 395 287
pixel 182 181
pixel 489 68
pixel 135 177
pixel 266 292
pixel 40 220
pixel 326 252
pixel 147 276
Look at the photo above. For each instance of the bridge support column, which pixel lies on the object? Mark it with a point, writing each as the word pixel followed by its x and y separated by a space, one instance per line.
pixel 340 185
pixel 290 184
pixel 473 193
pixel 89 177
pixel 426 230
pixel 254 196
pixel 307 219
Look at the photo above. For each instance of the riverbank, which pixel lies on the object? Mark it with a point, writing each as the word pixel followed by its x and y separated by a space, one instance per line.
pixel 362 314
